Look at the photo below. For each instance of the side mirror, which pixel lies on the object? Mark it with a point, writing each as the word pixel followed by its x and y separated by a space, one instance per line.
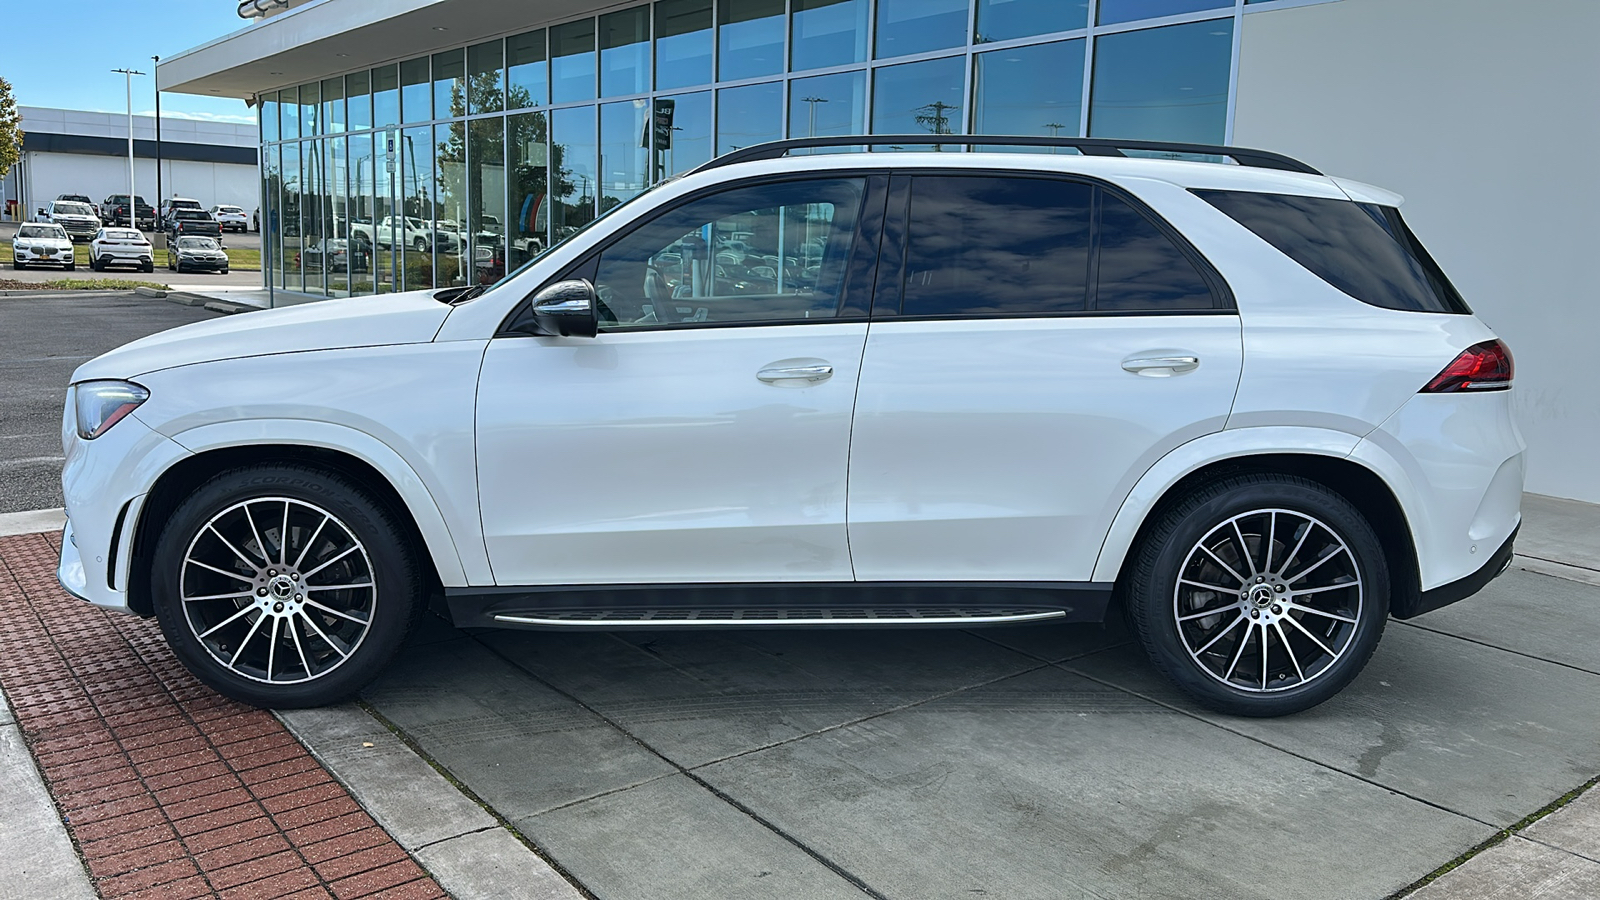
pixel 567 309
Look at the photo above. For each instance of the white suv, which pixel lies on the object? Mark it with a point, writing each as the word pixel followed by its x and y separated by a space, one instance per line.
pixel 861 389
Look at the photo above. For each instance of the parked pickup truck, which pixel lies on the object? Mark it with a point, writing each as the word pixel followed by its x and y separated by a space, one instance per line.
pixel 391 232
pixel 191 223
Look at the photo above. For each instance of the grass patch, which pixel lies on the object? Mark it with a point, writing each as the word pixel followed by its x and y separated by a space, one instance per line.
pixel 99 284
pixel 243 258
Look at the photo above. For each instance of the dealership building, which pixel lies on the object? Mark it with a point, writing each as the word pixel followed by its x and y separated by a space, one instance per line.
pixel 71 151
pixel 509 123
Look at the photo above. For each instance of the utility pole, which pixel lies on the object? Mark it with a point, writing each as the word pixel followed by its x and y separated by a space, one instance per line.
pixel 936 121
pixel 157 60
pixel 133 204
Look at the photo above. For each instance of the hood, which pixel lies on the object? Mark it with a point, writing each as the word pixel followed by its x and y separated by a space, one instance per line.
pixel 410 318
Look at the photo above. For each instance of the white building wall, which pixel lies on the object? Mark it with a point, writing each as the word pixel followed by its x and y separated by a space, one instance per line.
pixel 50 174
pixel 1486 116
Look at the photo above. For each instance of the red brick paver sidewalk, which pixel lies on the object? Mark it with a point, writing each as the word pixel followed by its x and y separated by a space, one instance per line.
pixel 168 789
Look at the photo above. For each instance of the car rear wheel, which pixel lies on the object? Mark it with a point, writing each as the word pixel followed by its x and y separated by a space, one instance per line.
pixel 1260 595
pixel 284 586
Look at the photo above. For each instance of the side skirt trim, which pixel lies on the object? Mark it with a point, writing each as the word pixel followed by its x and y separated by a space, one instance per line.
pixel 778 605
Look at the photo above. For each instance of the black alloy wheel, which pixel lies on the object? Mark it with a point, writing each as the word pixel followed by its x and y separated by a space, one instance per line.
pixel 285 585
pixel 1260 595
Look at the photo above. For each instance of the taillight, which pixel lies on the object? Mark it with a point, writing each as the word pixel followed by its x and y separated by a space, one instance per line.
pixel 1481 367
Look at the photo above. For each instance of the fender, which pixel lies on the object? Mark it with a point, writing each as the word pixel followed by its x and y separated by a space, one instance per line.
pixel 1213 448
pixel 424 510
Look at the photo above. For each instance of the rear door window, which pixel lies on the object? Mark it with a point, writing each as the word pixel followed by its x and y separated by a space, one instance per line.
pixel 996 245
pixel 985 246
pixel 1363 250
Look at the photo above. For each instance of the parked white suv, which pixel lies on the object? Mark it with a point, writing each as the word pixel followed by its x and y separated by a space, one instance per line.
pixel 868 389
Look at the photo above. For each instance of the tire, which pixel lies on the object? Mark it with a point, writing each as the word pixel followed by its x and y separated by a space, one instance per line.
pixel 223 270
pixel 323 645
pixel 1324 592
pixel 72 266
pixel 94 264
pixel 420 245
pixel 149 266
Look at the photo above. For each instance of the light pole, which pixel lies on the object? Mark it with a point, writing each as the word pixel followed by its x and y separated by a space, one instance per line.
pixel 133 205
pixel 811 104
pixel 157 61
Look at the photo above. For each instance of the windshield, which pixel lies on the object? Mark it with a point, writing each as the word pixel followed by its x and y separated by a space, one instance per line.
pixel 74 209
pixel 593 222
pixel 42 231
pixel 194 214
pixel 123 235
pixel 196 243
pixel 231 209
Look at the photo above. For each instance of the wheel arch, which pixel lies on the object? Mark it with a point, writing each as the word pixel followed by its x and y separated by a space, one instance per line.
pixel 1364 487
pixel 180 479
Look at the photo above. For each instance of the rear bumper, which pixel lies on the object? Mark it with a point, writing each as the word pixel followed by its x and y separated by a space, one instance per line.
pixel 1462 588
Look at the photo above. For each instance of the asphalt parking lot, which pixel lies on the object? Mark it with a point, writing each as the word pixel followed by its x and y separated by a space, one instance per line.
pixel 1048 761
pixel 42 339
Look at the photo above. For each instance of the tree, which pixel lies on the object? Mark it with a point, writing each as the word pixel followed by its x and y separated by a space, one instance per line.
pixel 10 129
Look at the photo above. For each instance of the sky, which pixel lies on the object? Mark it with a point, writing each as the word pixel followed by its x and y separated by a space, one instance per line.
pixel 70 68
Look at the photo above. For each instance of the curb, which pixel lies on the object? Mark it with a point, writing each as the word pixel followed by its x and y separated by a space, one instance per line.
pixel 224 306
pixel 469 852
pixel 185 299
pixel 149 292
pixel 34 520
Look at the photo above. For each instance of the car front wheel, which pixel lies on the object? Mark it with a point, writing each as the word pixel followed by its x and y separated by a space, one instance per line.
pixel 1260 595
pixel 284 586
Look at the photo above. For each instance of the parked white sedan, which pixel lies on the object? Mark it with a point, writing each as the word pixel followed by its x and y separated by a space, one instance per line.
pixel 41 243
pixel 1240 403
pixel 121 247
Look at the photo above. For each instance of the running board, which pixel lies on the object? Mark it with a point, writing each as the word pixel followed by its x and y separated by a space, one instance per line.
pixel 767 618
pixel 786 605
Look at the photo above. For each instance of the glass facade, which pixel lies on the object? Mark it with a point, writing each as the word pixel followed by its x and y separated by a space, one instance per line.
pixel 456 167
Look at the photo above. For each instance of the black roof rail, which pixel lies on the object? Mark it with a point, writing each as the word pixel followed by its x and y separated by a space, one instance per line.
pixel 1261 159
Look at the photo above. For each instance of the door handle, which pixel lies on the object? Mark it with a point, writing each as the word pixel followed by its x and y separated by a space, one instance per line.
pixel 810 374
pixel 1161 366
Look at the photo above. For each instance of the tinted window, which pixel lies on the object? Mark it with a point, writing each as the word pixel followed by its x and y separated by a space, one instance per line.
pixel 1141 268
pixel 772 252
pixel 1365 251
pixel 997 246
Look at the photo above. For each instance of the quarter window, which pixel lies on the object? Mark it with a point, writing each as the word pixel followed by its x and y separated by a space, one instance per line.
pixel 1364 250
pixel 997 246
pixel 1141 269
pixel 764 253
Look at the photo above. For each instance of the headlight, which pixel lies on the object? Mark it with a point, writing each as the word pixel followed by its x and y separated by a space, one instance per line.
pixel 102 404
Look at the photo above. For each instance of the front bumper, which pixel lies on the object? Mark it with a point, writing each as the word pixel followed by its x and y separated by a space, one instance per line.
pixel 50 257
pixel 104 483
pixel 70 570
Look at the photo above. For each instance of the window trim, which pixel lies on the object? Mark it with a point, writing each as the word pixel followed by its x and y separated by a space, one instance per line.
pixel 889 295
pixel 860 268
